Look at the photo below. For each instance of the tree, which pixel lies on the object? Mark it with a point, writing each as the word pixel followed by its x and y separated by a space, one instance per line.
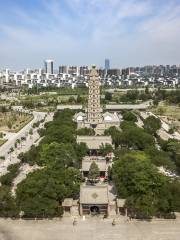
pixel 152 124
pixel 108 96
pixel 8 206
pixel 81 150
pixel 9 124
pixel 133 137
pixel 146 90
pixel 13 171
pixel 129 116
pixel 58 154
pixel 79 99
pixel 160 158
pixel 127 124
pixel 93 172
pixel 42 192
pixel 139 181
pixel 105 149
pixel 173 148
pixel 72 99
pixel 132 95
pixel 31 157
pixel 86 131
pixel 11 151
pixel 115 133
pixel 31 132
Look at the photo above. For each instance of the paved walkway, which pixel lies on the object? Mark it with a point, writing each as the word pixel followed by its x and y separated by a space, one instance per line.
pixel 90 229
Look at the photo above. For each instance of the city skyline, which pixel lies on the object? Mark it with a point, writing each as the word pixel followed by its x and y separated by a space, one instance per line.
pixel 76 32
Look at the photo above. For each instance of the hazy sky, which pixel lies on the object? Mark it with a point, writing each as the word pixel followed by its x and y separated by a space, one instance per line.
pixel 128 32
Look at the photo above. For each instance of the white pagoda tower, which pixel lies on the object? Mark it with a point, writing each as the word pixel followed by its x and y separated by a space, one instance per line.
pixel 94 110
pixel 93 117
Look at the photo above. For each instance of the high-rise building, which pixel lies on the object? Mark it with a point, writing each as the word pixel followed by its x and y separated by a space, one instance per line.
pixel 63 69
pixel 128 71
pixel 84 70
pixel 113 72
pixel 107 64
pixel 73 70
pixel 48 66
pixel 101 72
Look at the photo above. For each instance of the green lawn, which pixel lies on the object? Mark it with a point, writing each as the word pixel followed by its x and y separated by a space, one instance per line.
pixel 169 113
pixel 168 110
pixel 2 141
pixel 13 121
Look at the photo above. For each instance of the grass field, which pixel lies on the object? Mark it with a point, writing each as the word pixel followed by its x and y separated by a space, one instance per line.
pixel 2 141
pixel 168 110
pixel 13 121
pixel 169 113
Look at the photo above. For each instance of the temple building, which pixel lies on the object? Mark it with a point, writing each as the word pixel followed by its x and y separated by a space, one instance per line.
pixel 94 142
pixel 101 162
pixel 94 199
pixel 94 116
pixel 98 197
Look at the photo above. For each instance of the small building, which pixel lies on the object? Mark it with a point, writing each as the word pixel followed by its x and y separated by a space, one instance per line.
pixel 119 107
pixel 121 209
pixel 70 207
pixel 71 107
pixel 102 165
pixel 79 117
pixel 94 200
pixel 94 142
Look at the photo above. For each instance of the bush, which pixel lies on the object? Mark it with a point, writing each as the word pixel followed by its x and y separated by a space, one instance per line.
pixel 129 116
pixel 13 171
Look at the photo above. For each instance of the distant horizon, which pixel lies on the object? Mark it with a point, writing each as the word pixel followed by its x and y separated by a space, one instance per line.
pixel 73 32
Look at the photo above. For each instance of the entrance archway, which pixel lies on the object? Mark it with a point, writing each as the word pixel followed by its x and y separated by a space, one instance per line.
pixel 94 210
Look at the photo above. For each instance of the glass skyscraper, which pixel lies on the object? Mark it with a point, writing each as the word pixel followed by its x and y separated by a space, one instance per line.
pixel 107 64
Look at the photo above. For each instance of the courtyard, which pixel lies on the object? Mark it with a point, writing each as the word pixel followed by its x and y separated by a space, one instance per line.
pixel 88 229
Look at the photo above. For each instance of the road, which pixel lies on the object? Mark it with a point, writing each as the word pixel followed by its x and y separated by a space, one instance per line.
pixel 112 90
pixel 25 146
pixel 116 107
pixel 4 149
